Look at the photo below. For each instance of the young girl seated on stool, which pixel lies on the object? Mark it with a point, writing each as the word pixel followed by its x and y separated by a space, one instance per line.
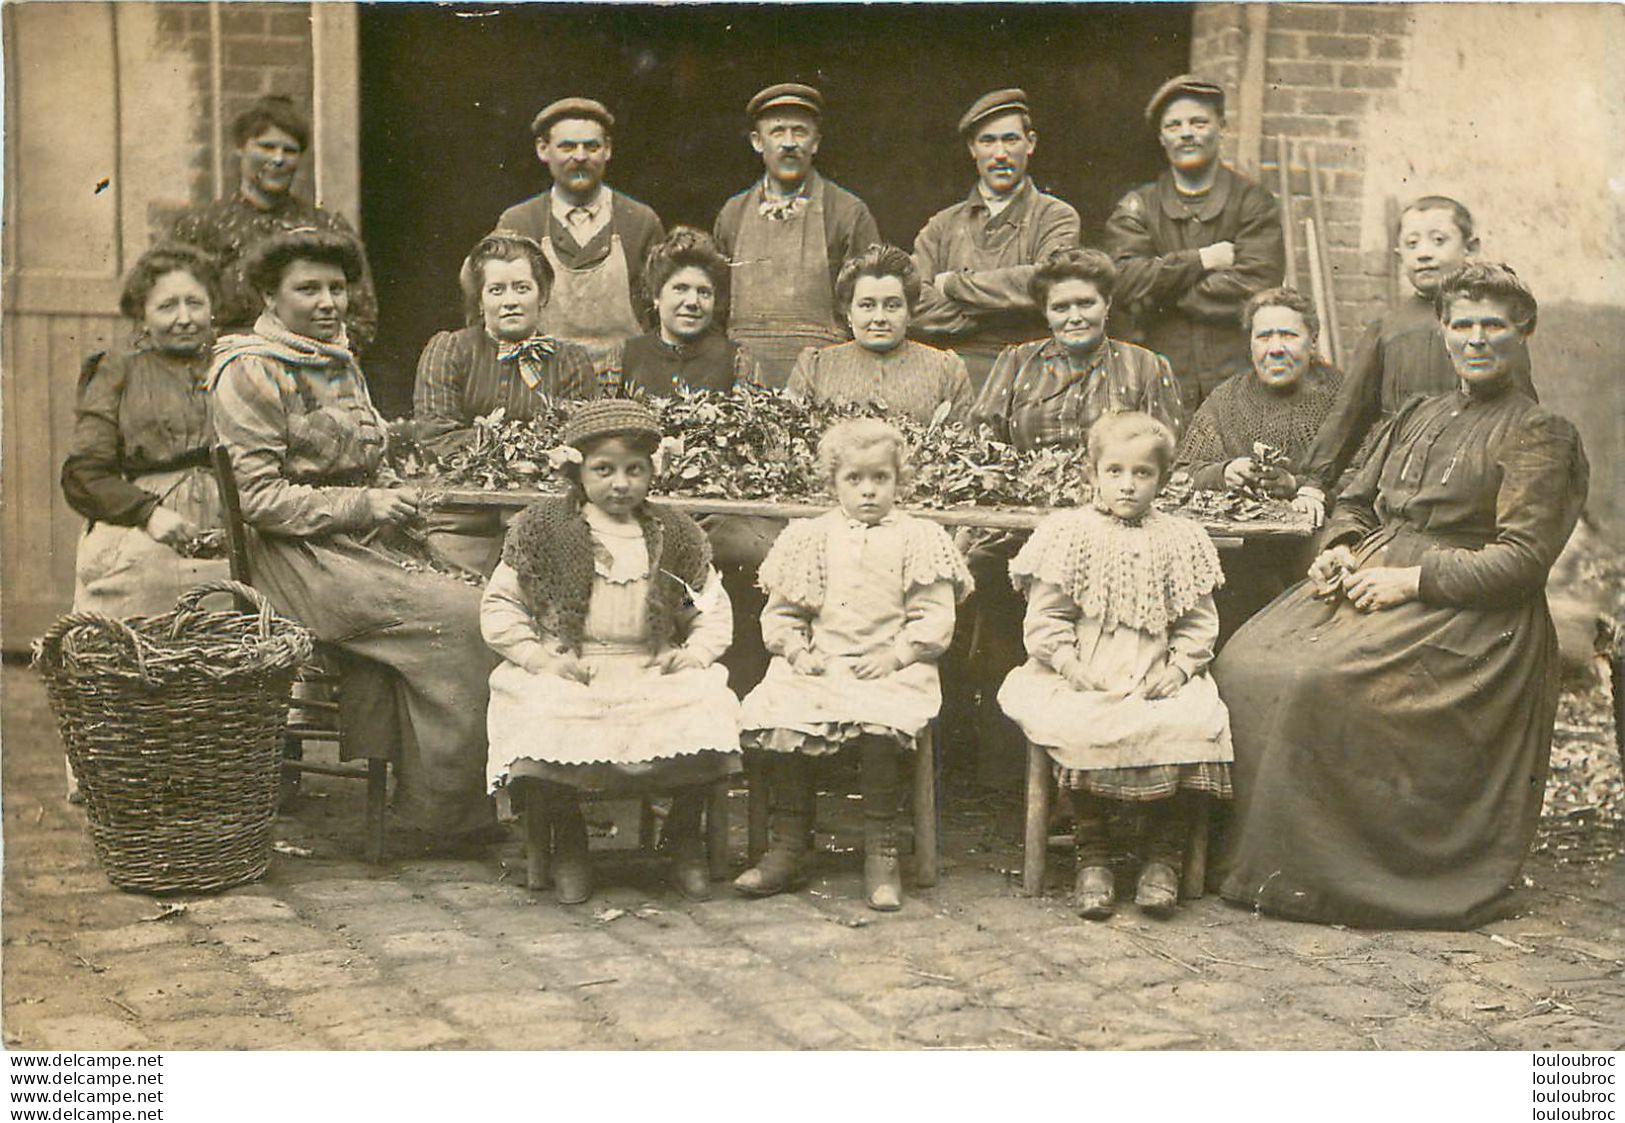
pixel 860 606
pixel 609 619
pixel 1119 631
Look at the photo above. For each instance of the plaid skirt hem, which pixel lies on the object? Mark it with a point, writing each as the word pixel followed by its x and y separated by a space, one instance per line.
pixel 1149 782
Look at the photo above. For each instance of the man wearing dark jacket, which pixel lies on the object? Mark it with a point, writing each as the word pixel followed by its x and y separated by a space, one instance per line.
pixel 1192 245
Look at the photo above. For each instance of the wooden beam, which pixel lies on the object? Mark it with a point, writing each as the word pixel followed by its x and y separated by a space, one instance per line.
pixel 1250 100
pixel 335 47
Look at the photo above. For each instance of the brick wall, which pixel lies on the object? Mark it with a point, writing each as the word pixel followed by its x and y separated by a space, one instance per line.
pixel 1326 67
pixel 262 49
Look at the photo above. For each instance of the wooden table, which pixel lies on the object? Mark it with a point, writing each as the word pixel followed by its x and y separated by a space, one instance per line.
pixel 1226 533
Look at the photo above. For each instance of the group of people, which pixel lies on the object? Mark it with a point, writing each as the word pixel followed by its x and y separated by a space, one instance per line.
pixel 1381 705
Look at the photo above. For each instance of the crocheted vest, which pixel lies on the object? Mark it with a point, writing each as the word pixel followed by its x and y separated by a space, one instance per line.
pixel 549 546
pixel 1143 576
pixel 796 566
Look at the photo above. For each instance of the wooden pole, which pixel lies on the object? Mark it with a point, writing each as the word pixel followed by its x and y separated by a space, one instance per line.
pixel 1334 334
pixel 1289 236
pixel 1035 849
pixel 1317 282
pixel 1250 95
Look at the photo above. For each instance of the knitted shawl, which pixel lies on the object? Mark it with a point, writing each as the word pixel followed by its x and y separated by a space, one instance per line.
pixel 1143 576
pixel 550 547
pixel 795 566
pixel 1242 410
pixel 271 339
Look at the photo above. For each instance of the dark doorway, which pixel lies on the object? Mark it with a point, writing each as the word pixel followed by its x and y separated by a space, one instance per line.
pixel 448 94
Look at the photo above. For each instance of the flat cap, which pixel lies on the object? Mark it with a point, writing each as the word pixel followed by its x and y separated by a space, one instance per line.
pixel 1185 85
pixel 609 417
pixel 991 104
pixel 582 107
pixel 786 95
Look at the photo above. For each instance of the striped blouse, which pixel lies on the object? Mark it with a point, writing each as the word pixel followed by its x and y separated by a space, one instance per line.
pixel 459 379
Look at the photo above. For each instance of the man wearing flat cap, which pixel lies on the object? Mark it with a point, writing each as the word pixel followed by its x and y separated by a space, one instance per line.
pixel 1194 244
pixel 977 256
pixel 596 239
pixel 788 234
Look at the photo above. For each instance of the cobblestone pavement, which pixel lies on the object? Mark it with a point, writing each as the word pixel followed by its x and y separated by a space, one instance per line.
pixel 433 952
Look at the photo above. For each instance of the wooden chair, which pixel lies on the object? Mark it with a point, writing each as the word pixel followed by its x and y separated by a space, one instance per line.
pixel 1037 842
pixel 539 835
pixel 313 708
pixel 925 799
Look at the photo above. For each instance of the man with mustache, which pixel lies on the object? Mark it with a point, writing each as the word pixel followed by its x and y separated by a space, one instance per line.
pixel 1192 245
pixel 271 137
pixel 596 239
pixel 977 256
pixel 788 235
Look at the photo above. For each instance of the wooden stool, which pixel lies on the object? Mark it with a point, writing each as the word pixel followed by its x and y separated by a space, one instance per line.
pixel 1035 846
pixel 539 835
pixel 925 800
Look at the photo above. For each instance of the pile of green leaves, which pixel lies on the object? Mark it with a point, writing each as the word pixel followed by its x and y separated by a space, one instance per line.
pixel 761 444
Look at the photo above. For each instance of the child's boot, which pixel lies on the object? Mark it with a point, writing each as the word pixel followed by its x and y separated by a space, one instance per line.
pixel 790 794
pixel 572 875
pixel 882 880
pixel 685 842
pixel 1094 891
pixel 1157 893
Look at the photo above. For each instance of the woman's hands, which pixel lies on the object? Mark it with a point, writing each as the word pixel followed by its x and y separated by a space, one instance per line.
pixel 1382 586
pixel 1276 481
pixel 1327 571
pixel 570 666
pixel 387 506
pixel 1335 573
pixel 1311 501
pixel 164 525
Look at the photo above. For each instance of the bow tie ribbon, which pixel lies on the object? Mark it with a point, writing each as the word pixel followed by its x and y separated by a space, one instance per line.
pixel 530 354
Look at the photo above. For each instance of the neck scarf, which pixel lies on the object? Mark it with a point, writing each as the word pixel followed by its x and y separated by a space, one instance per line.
pixel 272 339
pixel 531 354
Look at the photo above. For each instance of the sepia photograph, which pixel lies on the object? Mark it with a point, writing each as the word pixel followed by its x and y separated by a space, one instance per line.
pixel 813 527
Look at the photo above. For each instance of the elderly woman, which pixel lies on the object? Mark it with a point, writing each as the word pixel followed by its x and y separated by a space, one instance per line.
pixel 1393 714
pixel 687 279
pixel 291 406
pixel 501 358
pixel 1050 391
pixel 138 468
pixel 880 365
pixel 1281 404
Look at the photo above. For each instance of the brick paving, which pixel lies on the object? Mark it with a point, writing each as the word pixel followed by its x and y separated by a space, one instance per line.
pixel 429 952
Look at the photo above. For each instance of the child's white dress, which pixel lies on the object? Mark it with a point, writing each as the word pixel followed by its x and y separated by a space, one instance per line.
pixel 845 590
pixel 1121 601
pixel 631 728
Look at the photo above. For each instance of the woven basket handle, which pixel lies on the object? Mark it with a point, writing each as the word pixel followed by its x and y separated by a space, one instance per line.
pixel 187 604
pixel 48 648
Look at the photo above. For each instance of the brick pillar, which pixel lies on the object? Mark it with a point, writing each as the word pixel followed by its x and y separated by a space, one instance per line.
pixel 1326 68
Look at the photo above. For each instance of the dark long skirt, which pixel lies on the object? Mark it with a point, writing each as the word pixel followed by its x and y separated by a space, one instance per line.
pixel 1389 766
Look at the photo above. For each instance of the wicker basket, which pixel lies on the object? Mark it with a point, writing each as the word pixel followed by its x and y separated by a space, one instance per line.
pixel 173 725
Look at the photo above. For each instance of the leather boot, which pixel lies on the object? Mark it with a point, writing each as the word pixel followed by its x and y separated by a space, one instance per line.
pixel 572 875
pixel 790 797
pixel 882 880
pixel 1094 891
pixel 685 843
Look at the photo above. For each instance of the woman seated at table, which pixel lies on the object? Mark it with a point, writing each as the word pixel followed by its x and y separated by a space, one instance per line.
pixel 138 468
pixel 1393 714
pixel 291 406
pixel 1281 403
pixel 687 278
pixel 1049 391
pixel 502 358
pixel 880 365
